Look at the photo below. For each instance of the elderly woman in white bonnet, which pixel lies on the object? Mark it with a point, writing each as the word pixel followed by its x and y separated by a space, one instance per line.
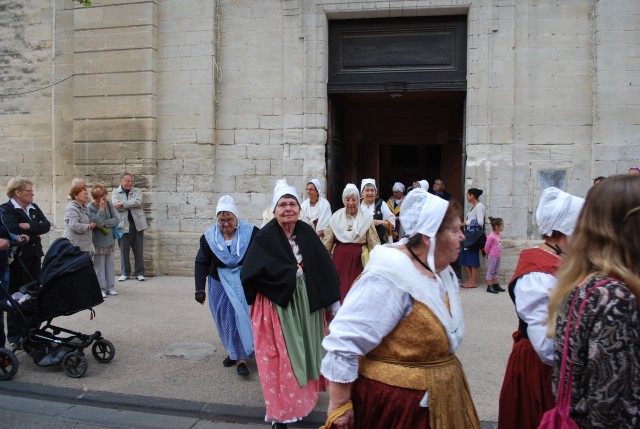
pixel 383 219
pixel 290 282
pixel 350 235
pixel 390 359
pixel 526 390
pixel 316 210
pixel 420 184
pixel 394 203
pixel 222 250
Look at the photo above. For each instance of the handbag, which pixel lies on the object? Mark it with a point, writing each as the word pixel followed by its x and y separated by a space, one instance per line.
pixel 474 236
pixel 558 417
pixel 118 230
pixel 474 240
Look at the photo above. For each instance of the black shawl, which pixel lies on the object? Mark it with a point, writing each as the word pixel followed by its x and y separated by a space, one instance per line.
pixel 270 268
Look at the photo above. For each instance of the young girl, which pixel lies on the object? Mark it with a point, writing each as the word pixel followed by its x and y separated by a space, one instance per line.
pixel 493 249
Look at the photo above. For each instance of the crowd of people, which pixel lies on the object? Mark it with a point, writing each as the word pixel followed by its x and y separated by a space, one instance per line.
pixel 92 226
pixel 363 302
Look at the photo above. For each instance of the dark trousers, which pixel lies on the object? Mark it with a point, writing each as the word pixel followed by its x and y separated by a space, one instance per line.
pixel 18 278
pixel 4 279
pixel 133 240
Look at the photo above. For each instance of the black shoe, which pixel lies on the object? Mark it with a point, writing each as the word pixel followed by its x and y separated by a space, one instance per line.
pixel 492 289
pixel 275 425
pixel 242 369
pixel 497 287
pixel 228 362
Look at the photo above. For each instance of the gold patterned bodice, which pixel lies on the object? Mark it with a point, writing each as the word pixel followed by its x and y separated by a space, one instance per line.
pixel 399 359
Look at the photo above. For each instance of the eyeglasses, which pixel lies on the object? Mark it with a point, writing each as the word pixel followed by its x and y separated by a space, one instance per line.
pixel 283 206
pixel 223 222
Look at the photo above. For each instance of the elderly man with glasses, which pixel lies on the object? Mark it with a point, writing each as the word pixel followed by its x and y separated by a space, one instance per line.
pixel 127 199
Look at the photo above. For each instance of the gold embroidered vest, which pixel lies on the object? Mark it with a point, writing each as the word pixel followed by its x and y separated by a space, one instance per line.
pixel 415 355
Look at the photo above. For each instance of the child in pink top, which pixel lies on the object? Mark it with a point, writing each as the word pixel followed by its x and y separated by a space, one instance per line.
pixel 493 249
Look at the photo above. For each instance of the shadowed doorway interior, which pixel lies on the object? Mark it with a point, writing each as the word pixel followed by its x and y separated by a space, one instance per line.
pixel 399 138
pixel 396 93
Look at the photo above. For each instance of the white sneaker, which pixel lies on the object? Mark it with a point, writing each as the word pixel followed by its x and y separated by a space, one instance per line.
pixel 141 278
pixel 104 295
pixel 122 278
pixel 112 292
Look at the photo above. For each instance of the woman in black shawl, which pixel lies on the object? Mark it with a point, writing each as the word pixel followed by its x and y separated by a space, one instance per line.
pixel 289 280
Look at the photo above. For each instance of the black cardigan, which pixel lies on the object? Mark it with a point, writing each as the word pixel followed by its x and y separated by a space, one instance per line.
pixel 207 263
pixel 270 267
pixel 11 217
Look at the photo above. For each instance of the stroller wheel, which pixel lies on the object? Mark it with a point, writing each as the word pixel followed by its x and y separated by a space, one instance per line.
pixel 103 351
pixel 8 364
pixel 74 364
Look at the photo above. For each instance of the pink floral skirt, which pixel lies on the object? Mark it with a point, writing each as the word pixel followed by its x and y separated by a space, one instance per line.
pixel 284 399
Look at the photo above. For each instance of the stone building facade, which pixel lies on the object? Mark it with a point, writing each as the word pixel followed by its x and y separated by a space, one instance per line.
pixel 203 98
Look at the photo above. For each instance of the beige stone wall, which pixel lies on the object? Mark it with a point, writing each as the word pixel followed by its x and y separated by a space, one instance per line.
pixel 203 98
pixel 185 186
pixel 26 62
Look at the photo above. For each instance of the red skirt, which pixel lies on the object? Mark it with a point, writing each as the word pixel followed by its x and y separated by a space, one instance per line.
pixel 380 406
pixel 526 390
pixel 347 258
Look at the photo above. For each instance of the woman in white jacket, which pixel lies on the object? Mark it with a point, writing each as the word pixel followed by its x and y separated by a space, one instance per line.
pixel 78 227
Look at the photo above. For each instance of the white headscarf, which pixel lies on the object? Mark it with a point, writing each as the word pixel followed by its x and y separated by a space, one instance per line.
pixel 422 213
pixel 349 190
pixel 226 204
pixel 557 211
pixel 366 182
pixel 424 184
pixel 398 187
pixel 316 183
pixel 283 188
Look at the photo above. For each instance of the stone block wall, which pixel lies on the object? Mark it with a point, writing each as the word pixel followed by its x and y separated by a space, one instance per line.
pixel 616 71
pixel 185 187
pixel 26 61
pixel 203 98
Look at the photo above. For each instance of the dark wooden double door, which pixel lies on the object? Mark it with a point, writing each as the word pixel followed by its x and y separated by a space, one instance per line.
pixel 396 102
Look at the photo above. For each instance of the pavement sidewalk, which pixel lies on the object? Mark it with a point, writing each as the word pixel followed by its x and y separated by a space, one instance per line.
pixel 169 359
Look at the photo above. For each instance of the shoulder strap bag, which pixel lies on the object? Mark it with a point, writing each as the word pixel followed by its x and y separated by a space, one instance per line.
pixel 474 235
pixel 558 417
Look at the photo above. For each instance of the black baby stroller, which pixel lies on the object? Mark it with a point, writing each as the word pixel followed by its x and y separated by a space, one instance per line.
pixel 68 284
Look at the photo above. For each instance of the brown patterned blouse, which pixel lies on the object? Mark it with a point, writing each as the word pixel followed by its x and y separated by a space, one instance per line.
pixel 606 356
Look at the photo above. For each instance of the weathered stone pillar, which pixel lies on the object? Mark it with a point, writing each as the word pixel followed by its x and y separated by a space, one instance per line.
pixel 114 98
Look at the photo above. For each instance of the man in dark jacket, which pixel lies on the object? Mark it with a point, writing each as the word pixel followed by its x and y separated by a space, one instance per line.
pixel 22 217
pixel 438 189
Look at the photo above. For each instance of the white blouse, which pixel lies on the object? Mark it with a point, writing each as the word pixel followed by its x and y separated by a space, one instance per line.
pixel 376 304
pixel 321 211
pixel 478 213
pixel 358 331
pixel 532 305
pixel 387 214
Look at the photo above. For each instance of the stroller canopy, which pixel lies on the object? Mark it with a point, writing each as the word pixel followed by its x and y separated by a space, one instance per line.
pixel 69 283
pixel 63 258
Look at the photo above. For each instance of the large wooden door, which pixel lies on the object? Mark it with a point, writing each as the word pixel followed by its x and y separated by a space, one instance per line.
pixel 397 93
pixel 335 155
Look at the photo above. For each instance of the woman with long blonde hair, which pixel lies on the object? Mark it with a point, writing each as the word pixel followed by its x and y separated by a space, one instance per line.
pixel 602 271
